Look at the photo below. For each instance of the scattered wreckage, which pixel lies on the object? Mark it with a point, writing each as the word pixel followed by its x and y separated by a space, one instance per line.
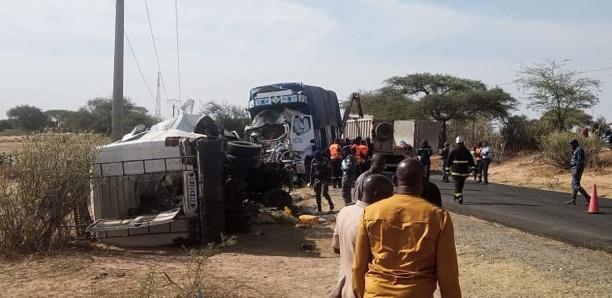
pixel 184 179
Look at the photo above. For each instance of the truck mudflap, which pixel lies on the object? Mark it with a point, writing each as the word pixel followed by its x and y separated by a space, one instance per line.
pixel 104 225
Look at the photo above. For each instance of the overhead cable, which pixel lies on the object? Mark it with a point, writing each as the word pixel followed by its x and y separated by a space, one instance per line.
pixel 155 48
pixel 144 79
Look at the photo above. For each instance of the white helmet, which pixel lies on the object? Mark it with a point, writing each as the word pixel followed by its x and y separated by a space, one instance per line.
pixel 460 140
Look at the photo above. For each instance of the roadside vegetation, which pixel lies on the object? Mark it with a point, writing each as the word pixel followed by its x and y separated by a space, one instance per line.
pixel 42 189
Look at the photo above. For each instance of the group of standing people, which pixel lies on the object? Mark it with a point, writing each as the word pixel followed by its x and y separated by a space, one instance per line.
pixel 341 163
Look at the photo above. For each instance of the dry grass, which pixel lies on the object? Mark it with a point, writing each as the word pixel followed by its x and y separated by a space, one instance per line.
pixel 10 144
pixel 528 170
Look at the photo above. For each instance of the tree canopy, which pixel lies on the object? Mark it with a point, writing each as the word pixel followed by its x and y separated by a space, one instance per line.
pixel 227 116
pixel 28 117
pixel 555 89
pixel 445 97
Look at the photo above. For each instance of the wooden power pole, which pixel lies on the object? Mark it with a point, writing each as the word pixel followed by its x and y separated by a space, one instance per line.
pixel 117 119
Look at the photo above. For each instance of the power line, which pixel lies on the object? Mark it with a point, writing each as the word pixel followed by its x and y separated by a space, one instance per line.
pixel 144 79
pixel 155 46
pixel 178 56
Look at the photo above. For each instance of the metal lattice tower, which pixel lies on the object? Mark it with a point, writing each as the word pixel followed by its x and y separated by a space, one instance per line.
pixel 158 99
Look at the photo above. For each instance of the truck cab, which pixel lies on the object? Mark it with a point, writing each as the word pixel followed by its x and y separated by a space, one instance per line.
pixel 290 120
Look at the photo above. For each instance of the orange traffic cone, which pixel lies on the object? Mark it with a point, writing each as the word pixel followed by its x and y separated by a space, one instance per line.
pixel 594 204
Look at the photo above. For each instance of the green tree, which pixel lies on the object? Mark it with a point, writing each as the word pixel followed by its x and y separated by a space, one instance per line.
pixel 28 117
pixel 228 116
pixel 384 103
pixel 573 118
pixel 443 97
pixel 96 115
pixel 551 87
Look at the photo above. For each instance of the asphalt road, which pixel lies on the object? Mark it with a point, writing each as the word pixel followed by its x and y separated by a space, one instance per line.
pixel 538 212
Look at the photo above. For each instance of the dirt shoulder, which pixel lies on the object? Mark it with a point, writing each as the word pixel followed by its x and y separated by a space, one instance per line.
pixel 494 261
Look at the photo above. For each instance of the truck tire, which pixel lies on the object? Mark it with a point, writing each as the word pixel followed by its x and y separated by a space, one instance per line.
pixel 243 161
pixel 240 148
pixel 278 198
pixel 384 131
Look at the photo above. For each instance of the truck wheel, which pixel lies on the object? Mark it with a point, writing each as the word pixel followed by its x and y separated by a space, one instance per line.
pixel 238 223
pixel 240 148
pixel 384 131
pixel 243 161
pixel 277 198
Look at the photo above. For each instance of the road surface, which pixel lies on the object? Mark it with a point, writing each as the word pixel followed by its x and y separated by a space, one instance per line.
pixel 539 212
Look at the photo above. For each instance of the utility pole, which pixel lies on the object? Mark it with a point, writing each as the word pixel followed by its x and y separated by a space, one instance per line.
pixel 158 99
pixel 174 103
pixel 117 119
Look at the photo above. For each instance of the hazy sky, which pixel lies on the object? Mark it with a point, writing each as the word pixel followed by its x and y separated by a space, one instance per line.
pixel 59 54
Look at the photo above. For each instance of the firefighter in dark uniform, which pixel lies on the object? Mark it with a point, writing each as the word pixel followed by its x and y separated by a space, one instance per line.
pixel 444 157
pixel 460 164
pixel 577 166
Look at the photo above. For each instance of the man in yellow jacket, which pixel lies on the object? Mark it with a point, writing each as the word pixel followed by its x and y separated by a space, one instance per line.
pixel 405 244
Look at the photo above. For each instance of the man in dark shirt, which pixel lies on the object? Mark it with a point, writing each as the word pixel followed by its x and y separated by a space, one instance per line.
pixel 577 166
pixel 424 155
pixel 320 173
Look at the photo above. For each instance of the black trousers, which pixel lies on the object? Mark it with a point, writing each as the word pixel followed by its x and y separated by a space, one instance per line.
pixel 485 162
pixel 320 185
pixel 459 183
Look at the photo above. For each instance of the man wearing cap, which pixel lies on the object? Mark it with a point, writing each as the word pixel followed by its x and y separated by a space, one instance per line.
pixel 460 163
pixel 577 166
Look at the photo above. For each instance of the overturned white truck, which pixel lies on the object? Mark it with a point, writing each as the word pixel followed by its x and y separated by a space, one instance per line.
pixel 288 119
pixel 183 180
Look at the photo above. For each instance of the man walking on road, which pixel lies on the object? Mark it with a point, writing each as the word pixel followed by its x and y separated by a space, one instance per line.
pixel 577 166
pixel 460 164
pixel 376 188
pixel 406 244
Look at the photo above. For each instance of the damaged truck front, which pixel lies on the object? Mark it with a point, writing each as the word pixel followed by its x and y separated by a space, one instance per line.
pixel 288 119
pixel 184 179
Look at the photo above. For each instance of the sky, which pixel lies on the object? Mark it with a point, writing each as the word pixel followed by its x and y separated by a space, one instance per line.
pixel 59 54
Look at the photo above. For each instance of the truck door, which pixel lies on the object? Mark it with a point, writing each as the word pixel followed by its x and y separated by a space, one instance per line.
pixel 301 133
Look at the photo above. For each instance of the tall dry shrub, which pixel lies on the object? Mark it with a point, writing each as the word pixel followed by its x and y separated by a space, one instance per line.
pixel 51 179
pixel 557 151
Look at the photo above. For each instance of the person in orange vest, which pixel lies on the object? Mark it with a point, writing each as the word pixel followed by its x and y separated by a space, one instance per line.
pixel 362 157
pixel 478 159
pixel 335 151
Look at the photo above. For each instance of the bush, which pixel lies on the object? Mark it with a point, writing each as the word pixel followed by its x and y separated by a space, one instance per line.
pixel 50 179
pixel 556 149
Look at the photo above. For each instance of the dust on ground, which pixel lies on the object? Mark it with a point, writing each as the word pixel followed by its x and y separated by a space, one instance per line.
pixel 494 261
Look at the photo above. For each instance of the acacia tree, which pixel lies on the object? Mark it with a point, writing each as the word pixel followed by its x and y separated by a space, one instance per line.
pixel 444 97
pixel 96 116
pixel 28 117
pixel 384 103
pixel 553 88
